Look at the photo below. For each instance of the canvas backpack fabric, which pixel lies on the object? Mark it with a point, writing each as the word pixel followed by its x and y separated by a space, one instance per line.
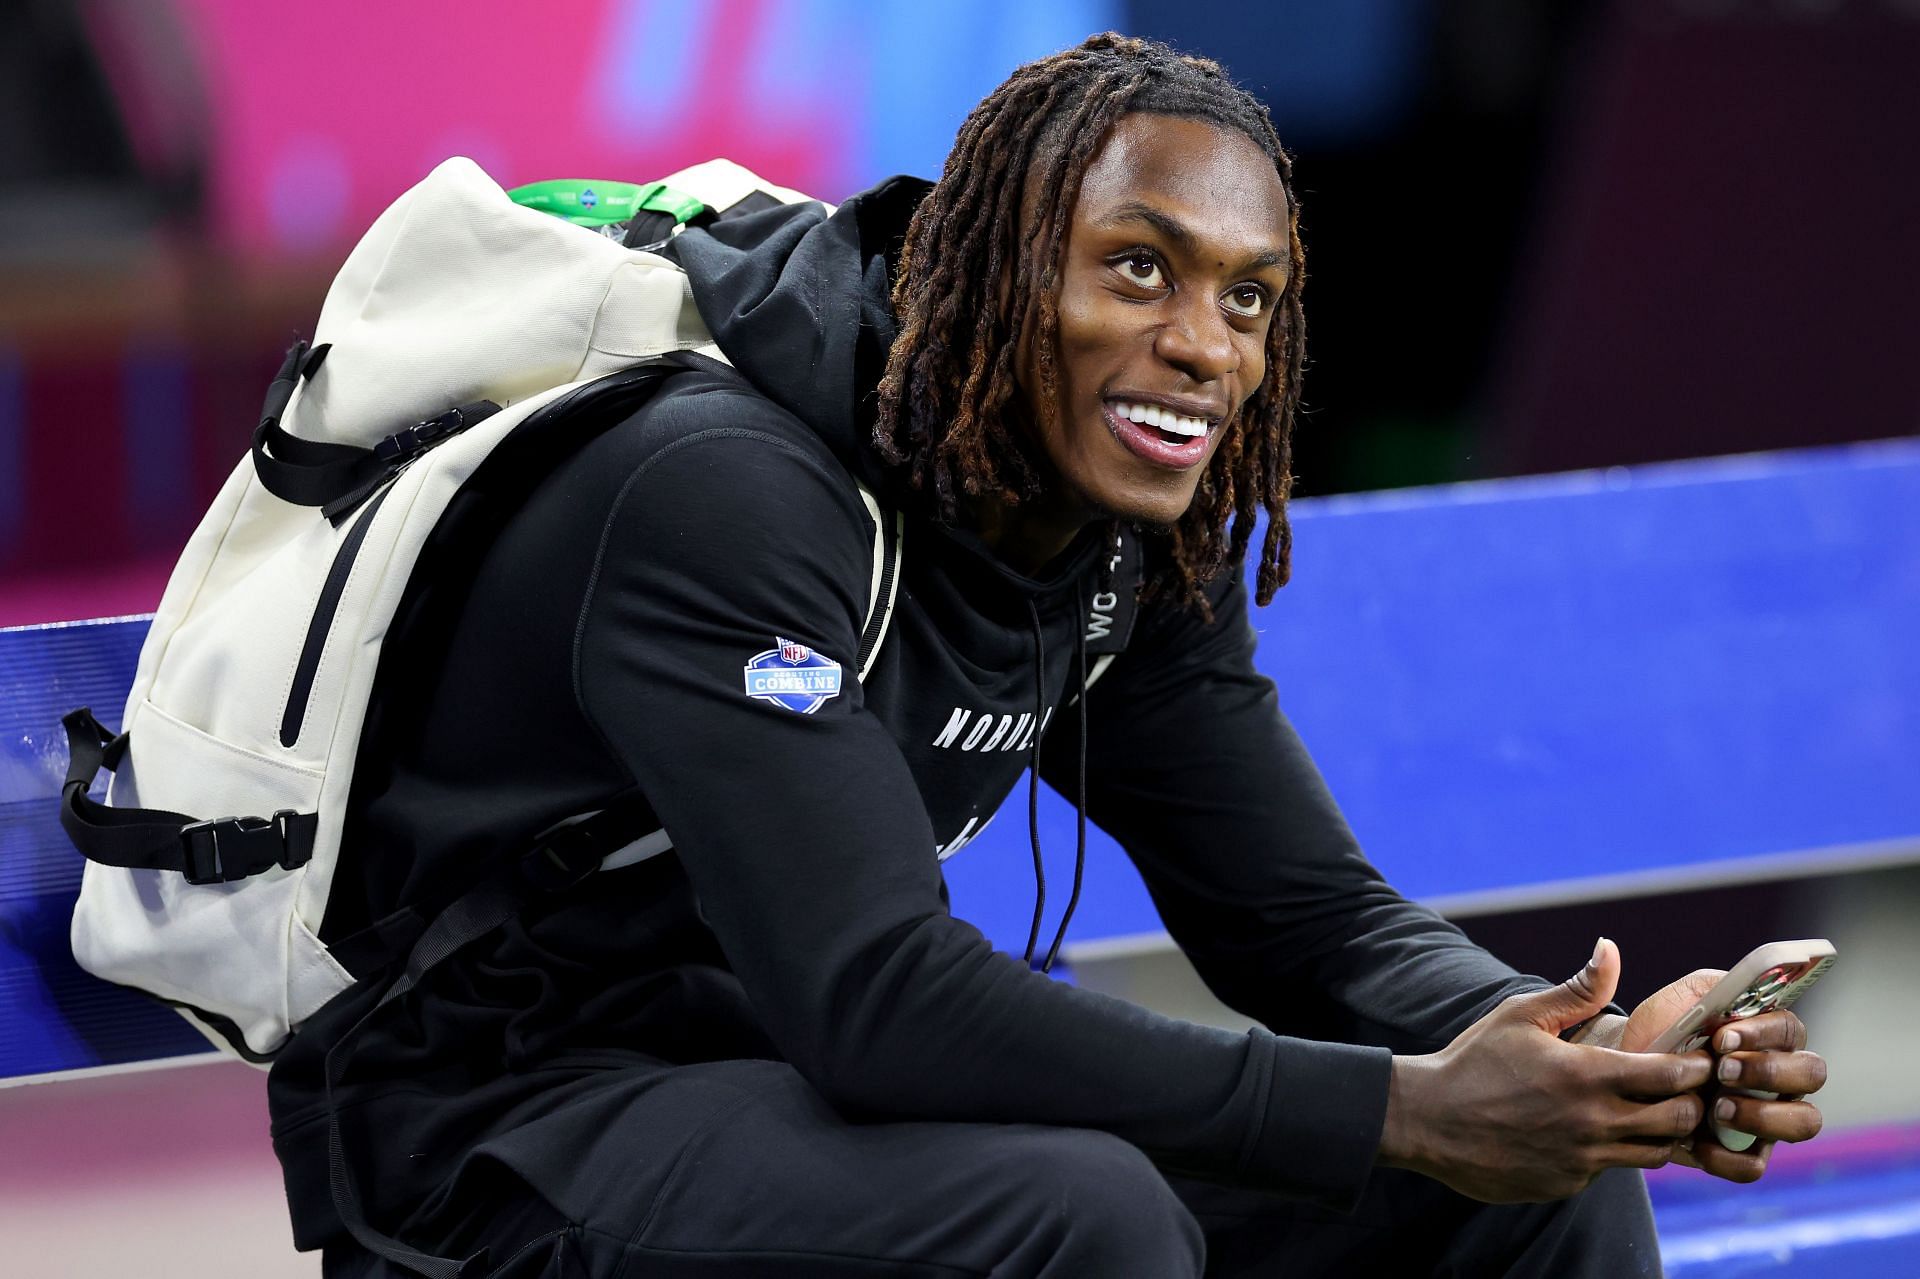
pixel 460 318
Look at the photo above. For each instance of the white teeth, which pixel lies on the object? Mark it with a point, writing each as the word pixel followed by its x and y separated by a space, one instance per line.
pixel 1164 419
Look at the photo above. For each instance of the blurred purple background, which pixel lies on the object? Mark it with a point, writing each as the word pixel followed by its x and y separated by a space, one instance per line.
pixel 1540 236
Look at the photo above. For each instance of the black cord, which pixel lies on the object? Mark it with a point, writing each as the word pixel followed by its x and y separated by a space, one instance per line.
pixel 1033 782
pixel 1080 802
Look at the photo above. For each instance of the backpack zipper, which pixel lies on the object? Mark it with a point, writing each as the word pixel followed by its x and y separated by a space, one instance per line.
pixel 329 603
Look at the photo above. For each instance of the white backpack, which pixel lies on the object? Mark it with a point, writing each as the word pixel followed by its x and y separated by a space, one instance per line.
pixel 456 321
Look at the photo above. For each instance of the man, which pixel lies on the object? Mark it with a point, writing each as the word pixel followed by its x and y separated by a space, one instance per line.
pixel 774 1051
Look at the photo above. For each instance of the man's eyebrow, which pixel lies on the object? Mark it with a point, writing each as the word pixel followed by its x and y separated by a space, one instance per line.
pixel 1177 233
pixel 1169 227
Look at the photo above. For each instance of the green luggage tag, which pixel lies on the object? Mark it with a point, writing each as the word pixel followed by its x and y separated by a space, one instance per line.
pixel 584 202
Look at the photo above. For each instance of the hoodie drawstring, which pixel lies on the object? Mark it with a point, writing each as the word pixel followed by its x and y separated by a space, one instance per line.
pixel 1033 779
pixel 1080 792
pixel 1033 787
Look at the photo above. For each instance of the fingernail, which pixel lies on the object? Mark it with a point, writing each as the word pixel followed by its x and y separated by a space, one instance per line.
pixel 1729 1070
pixel 1598 947
pixel 1723 1109
pixel 1729 1040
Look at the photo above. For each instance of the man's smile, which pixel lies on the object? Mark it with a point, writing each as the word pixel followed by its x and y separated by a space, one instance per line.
pixel 1156 432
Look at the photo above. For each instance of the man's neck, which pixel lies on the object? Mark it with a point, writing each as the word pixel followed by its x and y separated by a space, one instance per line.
pixel 1028 536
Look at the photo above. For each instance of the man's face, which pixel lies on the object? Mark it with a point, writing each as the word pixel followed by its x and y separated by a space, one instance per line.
pixel 1173 264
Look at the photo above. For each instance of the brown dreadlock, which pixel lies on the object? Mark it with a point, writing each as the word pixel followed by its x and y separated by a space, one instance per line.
pixel 970 269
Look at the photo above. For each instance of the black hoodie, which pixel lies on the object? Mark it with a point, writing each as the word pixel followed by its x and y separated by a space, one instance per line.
pixel 606 651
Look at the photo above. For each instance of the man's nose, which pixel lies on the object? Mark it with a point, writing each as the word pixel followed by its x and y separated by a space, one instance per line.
pixel 1198 340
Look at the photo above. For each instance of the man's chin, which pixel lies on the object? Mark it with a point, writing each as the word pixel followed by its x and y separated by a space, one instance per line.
pixel 1149 515
pixel 1146 507
pixel 1148 521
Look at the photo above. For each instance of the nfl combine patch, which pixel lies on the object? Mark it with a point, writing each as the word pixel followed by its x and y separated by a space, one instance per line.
pixel 794 676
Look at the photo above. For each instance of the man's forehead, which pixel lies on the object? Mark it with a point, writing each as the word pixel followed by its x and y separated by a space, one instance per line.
pixel 1216 183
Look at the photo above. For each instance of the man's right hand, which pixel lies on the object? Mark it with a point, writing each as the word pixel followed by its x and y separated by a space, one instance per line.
pixel 1508 1112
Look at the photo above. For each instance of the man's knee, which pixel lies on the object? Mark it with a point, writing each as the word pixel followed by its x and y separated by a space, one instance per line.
pixel 1095 1204
pixel 1605 1230
pixel 1613 1218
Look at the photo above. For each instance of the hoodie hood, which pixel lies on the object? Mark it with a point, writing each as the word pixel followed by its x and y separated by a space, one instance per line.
pixel 799 301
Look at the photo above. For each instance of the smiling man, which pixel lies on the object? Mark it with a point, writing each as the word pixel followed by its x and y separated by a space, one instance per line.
pixel 1073 365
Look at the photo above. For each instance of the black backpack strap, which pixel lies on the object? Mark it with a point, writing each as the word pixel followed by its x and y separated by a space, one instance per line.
pixel 337 478
pixel 216 851
pixel 562 856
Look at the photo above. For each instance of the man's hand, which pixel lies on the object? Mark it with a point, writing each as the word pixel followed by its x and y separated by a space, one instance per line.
pixel 1767 1053
pixel 1507 1112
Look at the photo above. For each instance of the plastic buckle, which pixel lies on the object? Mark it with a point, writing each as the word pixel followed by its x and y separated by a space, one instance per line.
pixel 564 854
pixel 405 443
pixel 396 446
pixel 225 849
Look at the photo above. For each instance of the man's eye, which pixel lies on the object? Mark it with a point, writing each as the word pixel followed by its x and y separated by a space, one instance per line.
pixel 1247 300
pixel 1143 270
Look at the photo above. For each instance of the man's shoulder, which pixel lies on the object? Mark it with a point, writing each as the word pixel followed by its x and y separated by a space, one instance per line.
pixel 703 408
pixel 709 432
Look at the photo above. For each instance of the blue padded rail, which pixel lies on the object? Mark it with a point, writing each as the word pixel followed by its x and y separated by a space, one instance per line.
pixel 1519 690
pixel 53 1016
pixel 1844 1207
pixel 1579 686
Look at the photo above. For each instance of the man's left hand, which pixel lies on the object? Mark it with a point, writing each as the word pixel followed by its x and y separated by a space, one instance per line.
pixel 1767 1052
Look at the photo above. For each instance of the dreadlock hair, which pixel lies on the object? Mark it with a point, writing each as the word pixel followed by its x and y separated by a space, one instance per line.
pixel 971 271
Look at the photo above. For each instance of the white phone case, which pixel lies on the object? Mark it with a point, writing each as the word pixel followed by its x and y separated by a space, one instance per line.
pixel 1771 976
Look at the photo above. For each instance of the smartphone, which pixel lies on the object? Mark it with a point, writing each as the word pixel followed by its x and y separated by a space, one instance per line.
pixel 1771 976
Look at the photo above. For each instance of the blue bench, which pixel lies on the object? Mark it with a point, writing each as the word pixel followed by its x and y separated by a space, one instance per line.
pixel 1524 692
pixel 1578 687
pixel 1846 1206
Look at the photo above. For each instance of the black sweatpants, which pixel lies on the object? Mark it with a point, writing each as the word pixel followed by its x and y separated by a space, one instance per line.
pixel 740 1169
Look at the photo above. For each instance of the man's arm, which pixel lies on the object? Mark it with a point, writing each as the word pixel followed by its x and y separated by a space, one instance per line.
pixel 1195 770
pixel 813 859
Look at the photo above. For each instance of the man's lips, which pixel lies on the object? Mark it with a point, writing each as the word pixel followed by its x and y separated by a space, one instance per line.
pixel 1208 411
pixel 1147 443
